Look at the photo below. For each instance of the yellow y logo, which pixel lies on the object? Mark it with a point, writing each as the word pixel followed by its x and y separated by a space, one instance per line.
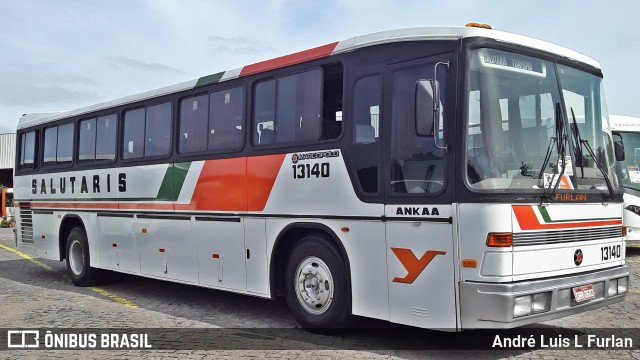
pixel 413 265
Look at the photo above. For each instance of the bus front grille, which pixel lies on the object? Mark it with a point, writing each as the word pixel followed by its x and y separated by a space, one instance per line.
pixel 566 236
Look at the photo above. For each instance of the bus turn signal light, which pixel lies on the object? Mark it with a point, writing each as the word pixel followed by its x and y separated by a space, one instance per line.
pixel 624 231
pixel 499 239
pixel 469 263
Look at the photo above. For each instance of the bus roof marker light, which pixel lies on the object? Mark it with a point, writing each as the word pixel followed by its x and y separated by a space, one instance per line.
pixel 500 240
pixel 478 25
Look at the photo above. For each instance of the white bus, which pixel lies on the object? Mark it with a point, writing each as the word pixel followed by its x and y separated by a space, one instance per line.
pixel 423 176
pixel 628 128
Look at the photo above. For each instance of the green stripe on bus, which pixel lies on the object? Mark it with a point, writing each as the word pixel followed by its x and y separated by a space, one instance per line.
pixel 209 79
pixel 180 171
pixel 547 218
pixel 166 187
pixel 173 181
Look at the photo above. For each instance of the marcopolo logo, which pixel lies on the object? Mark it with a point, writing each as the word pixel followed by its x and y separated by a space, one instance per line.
pixel 314 155
pixel 577 257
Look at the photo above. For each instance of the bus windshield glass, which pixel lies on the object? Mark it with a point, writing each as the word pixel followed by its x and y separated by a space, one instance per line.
pixel 629 169
pixel 528 119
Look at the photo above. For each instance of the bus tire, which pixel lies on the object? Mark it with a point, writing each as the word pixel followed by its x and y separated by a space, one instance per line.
pixel 317 287
pixel 80 272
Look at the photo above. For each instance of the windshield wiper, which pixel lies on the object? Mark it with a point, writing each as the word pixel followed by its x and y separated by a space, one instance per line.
pixel 593 156
pixel 560 129
pixel 547 156
pixel 577 146
pixel 560 140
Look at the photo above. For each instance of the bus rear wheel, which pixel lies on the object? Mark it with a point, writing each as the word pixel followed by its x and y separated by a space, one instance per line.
pixel 80 272
pixel 318 292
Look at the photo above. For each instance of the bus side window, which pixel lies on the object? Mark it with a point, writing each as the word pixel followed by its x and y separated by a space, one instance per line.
pixel 288 109
pixel 158 130
pixel 87 139
pixel 133 139
pixel 50 145
pixel 27 149
pixel 65 143
pixel 106 131
pixel 193 124
pixel 332 101
pixel 226 118
pixel 147 132
pixel 366 137
pixel 264 112
pixel 298 107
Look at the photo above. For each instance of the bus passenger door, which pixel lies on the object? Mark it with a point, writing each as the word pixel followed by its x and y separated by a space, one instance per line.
pixel 418 200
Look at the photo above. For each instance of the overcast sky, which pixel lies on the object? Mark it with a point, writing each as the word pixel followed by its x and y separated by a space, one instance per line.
pixel 57 55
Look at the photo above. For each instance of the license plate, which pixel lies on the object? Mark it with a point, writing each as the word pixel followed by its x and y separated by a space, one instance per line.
pixel 583 293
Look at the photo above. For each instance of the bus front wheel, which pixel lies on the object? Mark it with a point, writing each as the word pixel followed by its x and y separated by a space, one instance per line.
pixel 318 292
pixel 80 272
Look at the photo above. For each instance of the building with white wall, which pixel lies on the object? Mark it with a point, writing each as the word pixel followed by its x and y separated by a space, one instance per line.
pixel 7 158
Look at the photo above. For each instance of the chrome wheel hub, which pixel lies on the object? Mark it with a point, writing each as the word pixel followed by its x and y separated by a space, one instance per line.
pixel 314 285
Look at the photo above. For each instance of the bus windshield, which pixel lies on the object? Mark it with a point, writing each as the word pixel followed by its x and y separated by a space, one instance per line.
pixel 516 139
pixel 629 169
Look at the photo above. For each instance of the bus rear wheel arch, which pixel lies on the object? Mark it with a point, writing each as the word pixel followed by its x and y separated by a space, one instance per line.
pixel 316 285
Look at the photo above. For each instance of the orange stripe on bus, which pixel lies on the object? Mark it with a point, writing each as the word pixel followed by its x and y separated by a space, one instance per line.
pixel 261 175
pixel 221 186
pixel 529 221
pixel 240 184
pixel 101 205
pixel 144 206
pixel 57 205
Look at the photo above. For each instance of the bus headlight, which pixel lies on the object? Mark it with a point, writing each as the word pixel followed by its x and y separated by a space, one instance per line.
pixel 522 306
pixel 623 285
pixel 532 304
pixel 618 286
pixel 541 302
pixel 612 290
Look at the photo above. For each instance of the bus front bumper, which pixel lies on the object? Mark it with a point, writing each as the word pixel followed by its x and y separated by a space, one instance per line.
pixel 492 305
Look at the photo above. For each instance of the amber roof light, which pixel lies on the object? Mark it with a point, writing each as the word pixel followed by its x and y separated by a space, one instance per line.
pixel 478 25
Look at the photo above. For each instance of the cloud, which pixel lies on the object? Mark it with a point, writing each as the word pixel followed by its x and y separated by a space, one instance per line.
pixel 238 45
pixel 25 85
pixel 123 61
pixel 37 95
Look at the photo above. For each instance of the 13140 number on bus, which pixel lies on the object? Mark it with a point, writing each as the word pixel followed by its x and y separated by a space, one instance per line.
pixel 307 171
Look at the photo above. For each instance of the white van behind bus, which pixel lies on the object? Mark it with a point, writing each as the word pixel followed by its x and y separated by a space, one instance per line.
pixel 629 172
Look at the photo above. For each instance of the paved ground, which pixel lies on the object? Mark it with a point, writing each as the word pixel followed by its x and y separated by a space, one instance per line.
pixel 37 294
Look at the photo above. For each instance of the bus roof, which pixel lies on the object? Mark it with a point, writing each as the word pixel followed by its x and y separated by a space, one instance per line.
pixel 624 123
pixel 356 42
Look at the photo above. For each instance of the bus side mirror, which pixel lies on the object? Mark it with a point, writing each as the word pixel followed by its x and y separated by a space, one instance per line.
pixel 618 147
pixel 427 107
